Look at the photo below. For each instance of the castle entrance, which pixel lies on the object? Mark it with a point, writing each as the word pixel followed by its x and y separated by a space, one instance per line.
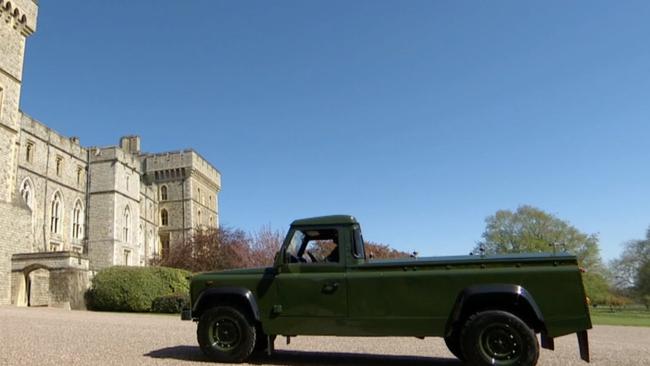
pixel 57 279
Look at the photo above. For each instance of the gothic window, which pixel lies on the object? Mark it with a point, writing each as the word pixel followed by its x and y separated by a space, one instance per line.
pixel 77 221
pixel 79 175
pixel 140 236
pixel 59 165
pixel 55 214
pixel 163 193
pixel 164 217
pixel 26 191
pixel 29 152
pixel 127 224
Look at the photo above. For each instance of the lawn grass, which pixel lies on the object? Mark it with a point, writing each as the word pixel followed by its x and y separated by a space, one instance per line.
pixel 636 316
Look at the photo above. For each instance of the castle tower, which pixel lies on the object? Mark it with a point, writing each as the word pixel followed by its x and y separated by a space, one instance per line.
pixel 17 22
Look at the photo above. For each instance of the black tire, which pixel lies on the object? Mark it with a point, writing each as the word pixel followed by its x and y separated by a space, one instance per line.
pixel 498 338
pixel 453 344
pixel 226 334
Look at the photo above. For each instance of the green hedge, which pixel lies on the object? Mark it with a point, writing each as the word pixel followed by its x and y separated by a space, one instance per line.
pixel 134 288
pixel 173 303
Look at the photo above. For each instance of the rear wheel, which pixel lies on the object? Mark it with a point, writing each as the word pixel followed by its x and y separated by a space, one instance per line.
pixel 498 338
pixel 226 334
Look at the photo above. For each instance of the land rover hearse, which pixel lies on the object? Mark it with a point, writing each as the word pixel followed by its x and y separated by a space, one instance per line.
pixel 488 309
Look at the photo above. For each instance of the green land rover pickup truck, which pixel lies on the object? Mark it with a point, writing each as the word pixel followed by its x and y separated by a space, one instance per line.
pixel 488 309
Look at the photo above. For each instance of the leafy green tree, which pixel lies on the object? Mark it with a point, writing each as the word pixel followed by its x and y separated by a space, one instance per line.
pixel 597 288
pixel 529 229
pixel 631 272
pixel 643 284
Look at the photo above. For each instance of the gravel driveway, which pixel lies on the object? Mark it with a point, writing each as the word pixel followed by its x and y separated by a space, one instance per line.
pixel 43 336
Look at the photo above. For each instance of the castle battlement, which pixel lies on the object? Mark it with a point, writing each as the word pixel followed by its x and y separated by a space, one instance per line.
pixel 187 158
pixel 36 130
pixel 21 14
pixel 114 153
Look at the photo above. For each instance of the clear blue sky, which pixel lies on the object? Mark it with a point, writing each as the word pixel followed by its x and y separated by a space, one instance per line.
pixel 421 118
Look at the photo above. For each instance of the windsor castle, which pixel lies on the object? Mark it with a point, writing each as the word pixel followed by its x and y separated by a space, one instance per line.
pixel 67 210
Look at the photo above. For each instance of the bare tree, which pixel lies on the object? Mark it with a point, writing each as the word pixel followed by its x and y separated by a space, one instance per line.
pixel 264 243
pixel 209 250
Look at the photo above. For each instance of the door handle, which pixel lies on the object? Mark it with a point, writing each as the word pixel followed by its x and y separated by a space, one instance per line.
pixel 329 288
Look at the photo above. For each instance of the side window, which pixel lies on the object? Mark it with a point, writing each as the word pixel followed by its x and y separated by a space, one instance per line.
pixel 313 246
pixel 358 248
pixel 294 246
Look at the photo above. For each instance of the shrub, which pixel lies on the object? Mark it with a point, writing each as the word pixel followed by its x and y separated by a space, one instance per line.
pixel 134 288
pixel 173 303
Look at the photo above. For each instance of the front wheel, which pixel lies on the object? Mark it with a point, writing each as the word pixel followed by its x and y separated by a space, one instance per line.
pixel 225 334
pixel 498 338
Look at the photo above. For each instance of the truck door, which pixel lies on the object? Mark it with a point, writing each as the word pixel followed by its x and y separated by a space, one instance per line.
pixel 312 283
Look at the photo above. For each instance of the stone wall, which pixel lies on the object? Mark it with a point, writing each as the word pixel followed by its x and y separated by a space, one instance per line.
pixel 38 168
pixel 15 237
pixel 39 284
pixel 68 288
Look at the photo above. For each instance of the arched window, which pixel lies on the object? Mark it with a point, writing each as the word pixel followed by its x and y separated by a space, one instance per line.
pixel 29 152
pixel 163 193
pixel 200 197
pixel 78 221
pixel 55 214
pixel 127 224
pixel 198 217
pixel 26 192
pixel 211 221
pixel 164 217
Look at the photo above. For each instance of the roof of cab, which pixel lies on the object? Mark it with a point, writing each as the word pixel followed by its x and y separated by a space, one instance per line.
pixel 326 220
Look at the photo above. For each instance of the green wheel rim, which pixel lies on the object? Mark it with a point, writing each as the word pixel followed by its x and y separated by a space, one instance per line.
pixel 500 344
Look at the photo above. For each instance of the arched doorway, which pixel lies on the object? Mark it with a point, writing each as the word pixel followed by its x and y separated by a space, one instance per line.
pixel 33 286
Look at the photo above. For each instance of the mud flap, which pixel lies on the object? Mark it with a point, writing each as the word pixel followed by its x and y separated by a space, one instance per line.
pixel 583 344
pixel 547 342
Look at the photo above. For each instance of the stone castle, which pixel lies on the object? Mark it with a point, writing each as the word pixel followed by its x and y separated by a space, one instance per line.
pixel 68 210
